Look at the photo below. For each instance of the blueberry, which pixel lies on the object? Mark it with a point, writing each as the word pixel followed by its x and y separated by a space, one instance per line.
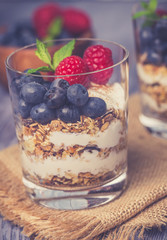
pixel 46 84
pixel 165 60
pixel 24 108
pixel 146 35
pixel 159 46
pixel 16 84
pixel 77 94
pixel 161 29
pixel 68 113
pixel 154 58
pixel 19 34
pixel 42 114
pixel 61 83
pixel 95 107
pixel 23 32
pixel 18 81
pixel 33 77
pixel 33 92
pixel 55 97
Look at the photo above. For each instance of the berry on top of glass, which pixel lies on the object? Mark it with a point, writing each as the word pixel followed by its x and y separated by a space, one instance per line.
pixel 47 22
pixel 65 97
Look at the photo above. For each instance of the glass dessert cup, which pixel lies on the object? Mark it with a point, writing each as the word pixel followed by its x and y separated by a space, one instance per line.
pixel 76 164
pixel 151 56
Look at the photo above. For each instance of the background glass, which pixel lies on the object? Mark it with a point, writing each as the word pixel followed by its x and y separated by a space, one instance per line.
pixel 151 55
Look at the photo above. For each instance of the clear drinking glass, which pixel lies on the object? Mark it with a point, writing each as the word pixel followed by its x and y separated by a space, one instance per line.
pixel 78 164
pixel 150 34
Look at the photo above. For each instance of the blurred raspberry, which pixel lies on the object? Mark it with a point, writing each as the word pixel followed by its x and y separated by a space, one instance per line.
pixel 161 12
pixel 43 16
pixel 72 65
pixel 76 21
pixel 97 58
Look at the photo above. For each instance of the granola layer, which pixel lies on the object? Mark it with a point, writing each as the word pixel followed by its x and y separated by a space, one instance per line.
pixel 51 161
pixel 77 154
pixel 83 179
pixel 153 85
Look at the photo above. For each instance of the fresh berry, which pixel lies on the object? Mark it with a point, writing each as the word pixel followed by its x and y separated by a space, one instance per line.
pixel 16 84
pixel 97 58
pixel 43 17
pixel 159 46
pixel 18 34
pixel 77 94
pixel 24 108
pixel 165 60
pixel 68 113
pixel 33 77
pixel 72 65
pixel 60 83
pixel 161 29
pixel 161 12
pixel 76 21
pixel 42 114
pixel 95 107
pixel 146 35
pixel 33 92
pixel 46 84
pixel 55 97
pixel 18 81
pixel 154 58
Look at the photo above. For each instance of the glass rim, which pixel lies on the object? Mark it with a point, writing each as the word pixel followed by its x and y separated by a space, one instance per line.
pixel 138 5
pixel 67 39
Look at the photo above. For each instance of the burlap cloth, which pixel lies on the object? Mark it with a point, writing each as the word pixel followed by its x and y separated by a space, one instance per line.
pixel 142 205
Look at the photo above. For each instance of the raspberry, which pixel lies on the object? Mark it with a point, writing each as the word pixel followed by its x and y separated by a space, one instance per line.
pixel 76 21
pixel 43 16
pixel 161 12
pixel 98 57
pixel 72 65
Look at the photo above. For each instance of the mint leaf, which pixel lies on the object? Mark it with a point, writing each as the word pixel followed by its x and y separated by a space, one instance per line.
pixel 152 5
pixel 42 53
pixel 140 14
pixel 149 10
pixel 55 28
pixel 42 69
pixel 144 5
pixel 62 53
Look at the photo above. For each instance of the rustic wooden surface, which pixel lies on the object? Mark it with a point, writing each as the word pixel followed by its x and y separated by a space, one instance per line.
pixel 112 21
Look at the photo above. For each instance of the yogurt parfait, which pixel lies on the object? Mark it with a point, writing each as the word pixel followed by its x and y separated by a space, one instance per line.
pixel 71 123
pixel 151 48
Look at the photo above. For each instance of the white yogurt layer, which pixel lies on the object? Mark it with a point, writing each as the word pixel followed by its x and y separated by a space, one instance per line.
pixel 149 101
pixel 109 138
pixel 89 162
pixel 113 95
pixel 152 77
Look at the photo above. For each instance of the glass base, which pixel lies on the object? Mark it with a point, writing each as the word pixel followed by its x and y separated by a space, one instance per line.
pixel 75 200
pixel 155 126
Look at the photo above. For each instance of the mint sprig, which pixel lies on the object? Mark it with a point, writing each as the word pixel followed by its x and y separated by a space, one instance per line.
pixel 54 29
pixel 42 69
pixel 149 10
pixel 43 54
pixel 62 53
